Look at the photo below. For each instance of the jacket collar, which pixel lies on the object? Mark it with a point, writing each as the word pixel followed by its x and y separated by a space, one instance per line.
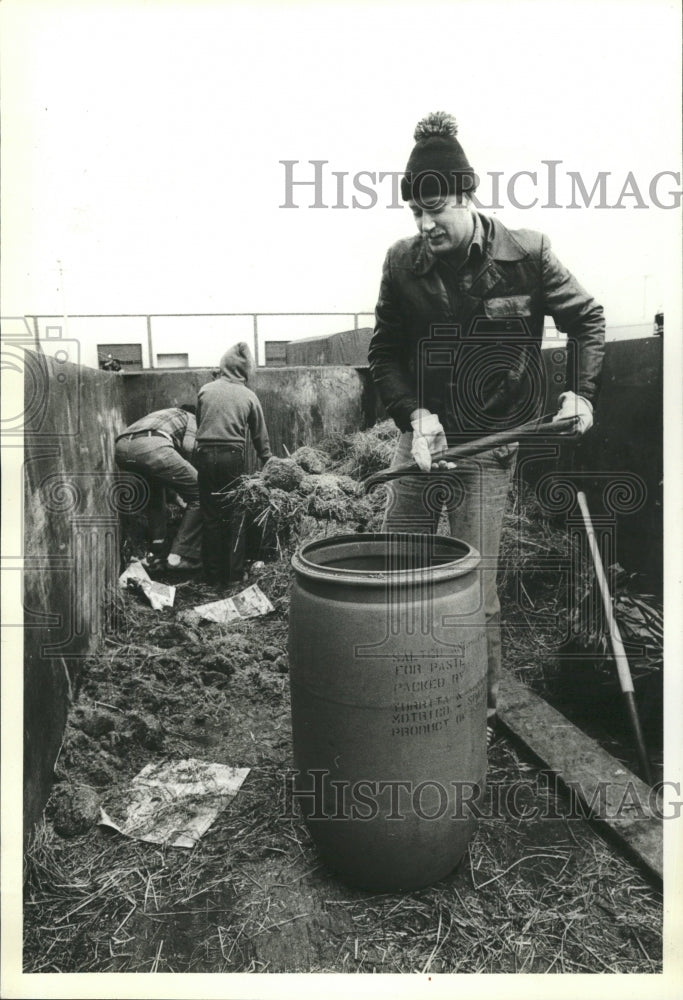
pixel 491 239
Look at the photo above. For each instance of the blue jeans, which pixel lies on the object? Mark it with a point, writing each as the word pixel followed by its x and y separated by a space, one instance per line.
pixel 158 462
pixel 474 496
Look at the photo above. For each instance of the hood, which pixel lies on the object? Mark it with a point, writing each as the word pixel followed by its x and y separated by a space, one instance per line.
pixel 237 364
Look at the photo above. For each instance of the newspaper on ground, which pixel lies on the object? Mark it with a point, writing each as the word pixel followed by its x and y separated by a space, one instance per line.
pixel 249 603
pixel 174 802
pixel 135 577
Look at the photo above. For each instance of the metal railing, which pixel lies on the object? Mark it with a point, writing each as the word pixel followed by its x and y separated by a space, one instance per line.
pixel 149 317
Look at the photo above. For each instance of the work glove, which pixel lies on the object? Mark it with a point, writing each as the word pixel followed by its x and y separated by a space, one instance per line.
pixel 572 405
pixel 428 438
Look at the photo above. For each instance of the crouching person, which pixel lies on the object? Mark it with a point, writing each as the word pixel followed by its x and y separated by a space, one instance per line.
pixel 226 409
pixel 159 448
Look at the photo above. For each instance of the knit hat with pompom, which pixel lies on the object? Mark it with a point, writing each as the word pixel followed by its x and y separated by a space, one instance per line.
pixel 237 362
pixel 437 165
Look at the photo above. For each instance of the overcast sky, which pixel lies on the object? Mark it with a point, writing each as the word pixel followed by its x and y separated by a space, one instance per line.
pixel 142 144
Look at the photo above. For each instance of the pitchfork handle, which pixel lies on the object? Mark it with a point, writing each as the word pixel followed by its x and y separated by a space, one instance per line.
pixel 557 428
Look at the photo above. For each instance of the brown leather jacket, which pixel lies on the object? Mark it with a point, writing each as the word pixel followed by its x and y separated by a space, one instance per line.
pixel 467 346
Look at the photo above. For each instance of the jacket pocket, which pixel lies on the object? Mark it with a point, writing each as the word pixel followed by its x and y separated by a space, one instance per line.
pixel 508 306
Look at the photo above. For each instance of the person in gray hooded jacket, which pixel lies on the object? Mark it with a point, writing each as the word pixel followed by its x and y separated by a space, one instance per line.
pixel 226 409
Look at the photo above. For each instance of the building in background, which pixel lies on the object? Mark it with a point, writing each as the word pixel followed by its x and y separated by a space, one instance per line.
pixel 349 347
pixel 183 340
pixel 196 341
pixel 275 353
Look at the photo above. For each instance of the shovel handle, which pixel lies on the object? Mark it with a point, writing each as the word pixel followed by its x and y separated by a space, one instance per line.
pixel 618 651
pixel 558 428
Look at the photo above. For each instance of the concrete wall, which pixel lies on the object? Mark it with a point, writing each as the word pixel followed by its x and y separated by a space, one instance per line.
pixel 301 405
pixel 70 538
pixel 620 463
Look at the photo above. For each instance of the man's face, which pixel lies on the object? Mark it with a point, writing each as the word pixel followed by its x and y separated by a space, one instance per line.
pixel 445 223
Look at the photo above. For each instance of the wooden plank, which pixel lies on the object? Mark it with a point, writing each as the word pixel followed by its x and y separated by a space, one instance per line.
pixel 611 793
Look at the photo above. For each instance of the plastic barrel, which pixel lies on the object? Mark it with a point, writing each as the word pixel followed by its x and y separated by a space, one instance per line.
pixel 387 654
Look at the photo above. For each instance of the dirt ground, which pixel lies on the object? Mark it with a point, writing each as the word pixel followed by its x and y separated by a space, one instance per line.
pixel 529 896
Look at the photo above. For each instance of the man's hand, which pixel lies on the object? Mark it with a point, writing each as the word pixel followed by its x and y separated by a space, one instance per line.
pixel 428 439
pixel 572 405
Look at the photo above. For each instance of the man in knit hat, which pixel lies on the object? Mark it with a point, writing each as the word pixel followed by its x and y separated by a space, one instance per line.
pixel 226 409
pixel 456 352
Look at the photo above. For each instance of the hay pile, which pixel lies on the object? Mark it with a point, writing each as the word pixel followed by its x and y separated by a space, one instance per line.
pixel 361 454
pixel 639 617
pixel 303 495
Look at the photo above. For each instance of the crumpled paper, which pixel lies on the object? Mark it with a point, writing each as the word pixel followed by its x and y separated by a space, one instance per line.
pixel 249 603
pixel 135 577
pixel 175 802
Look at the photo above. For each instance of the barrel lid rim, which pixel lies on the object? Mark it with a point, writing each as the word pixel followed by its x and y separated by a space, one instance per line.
pixel 447 571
